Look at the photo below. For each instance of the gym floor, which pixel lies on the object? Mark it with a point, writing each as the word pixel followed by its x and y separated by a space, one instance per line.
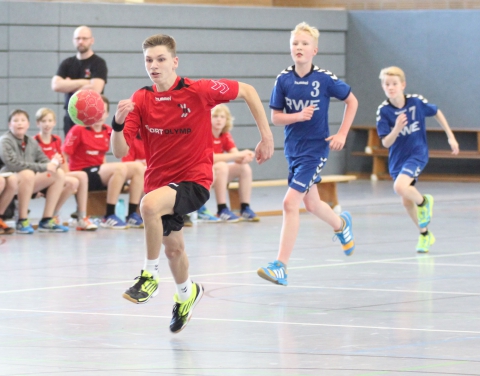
pixel 383 311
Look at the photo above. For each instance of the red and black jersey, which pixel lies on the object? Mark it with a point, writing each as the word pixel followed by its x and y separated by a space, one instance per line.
pixel 224 143
pixel 54 147
pixel 85 147
pixel 175 126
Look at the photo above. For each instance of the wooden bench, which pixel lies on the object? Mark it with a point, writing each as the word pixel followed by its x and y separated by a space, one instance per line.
pixel 379 154
pixel 327 189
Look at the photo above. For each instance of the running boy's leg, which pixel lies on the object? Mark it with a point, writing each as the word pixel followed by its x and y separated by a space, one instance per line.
pixel 188 293
pixel 154 205
pixel 412 200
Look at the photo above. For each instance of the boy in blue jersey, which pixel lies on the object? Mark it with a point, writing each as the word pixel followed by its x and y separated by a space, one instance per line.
pixel 401 127
pixel 299 102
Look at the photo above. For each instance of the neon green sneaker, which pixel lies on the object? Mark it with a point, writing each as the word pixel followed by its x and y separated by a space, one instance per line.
pixel 425 212
pixel 424 242
pixel 182 311
pixel 145 288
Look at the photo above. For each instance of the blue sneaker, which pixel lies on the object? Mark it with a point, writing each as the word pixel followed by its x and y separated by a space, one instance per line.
pixel 204 215
pixel 113 222
pixel 24 227
pixel 345 235
pixel 249 215
pixel 227 216
pixel 275 272
pixel 50 225
pixel 135 221
pixel 425 212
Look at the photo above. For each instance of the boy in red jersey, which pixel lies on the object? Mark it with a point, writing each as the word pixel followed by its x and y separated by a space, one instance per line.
pixel 173 117
pixel 76 182
pixel 85 149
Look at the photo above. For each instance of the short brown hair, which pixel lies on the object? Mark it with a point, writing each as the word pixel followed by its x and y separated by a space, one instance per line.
pixel 18 111
pixel 161 40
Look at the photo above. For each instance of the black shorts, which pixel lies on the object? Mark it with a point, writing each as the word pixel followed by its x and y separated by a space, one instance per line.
pixel 190 197
pixel 94 180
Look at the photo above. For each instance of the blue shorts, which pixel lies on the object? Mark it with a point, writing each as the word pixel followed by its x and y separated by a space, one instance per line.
pixel 412 167
pixel 303 172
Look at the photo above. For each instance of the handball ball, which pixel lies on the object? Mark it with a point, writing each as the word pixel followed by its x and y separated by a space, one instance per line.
pixel 86 107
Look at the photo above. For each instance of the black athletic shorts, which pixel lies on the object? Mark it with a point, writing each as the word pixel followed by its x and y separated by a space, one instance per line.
pixel 94 180
pixel 190 197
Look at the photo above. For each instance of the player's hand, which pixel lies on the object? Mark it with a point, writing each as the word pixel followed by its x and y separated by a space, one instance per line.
pixel 264 150
pixel 52 167
pixel 59 158
pixel 401 121
pixel 245 156
pixel 337 141
pixel 125 106
pixel 306 114
pixel 454 145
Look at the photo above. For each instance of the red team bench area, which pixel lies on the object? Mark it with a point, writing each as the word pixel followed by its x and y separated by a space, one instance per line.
pixel 327 189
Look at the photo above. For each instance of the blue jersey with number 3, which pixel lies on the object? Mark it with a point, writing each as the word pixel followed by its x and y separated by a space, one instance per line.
pixel 412 140
pixel 292 94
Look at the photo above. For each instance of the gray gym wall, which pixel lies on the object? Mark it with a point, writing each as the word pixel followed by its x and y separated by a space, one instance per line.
pixel 439 51
pixel 248 44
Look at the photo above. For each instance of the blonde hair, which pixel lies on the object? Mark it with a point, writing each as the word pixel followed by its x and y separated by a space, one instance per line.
pixel 392 71
pixel 306 28
pixel 161 40
pixel 42 112
pixel 229 123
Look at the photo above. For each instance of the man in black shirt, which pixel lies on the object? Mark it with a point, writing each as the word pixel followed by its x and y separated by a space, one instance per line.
pixel 85 70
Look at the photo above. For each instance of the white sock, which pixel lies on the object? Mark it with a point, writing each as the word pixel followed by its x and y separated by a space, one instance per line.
pixel 184 290
pixel 151 266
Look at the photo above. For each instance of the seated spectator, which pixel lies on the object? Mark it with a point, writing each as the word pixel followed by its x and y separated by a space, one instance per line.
pixel 85 149
pixel 229 164
pixel 21 154
pixel 76 182
pixel 8 189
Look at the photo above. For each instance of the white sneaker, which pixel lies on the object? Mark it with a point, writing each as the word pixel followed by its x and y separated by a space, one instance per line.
pixel 86 225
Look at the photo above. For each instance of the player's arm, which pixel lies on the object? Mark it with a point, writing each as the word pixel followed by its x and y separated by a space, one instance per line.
pixel 264 149
pixel 440 118
pixel 244 156
pixel 337 141
pixel 281 118
pixel 67 85
pixel 390 138
pixel 119 144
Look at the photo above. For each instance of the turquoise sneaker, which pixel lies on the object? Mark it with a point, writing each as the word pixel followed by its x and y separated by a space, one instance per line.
pixel 24 227
pixel 275 272
pixel 204 215
pixel 51 225
pixel 345 235
pixel 425 212
pixel 424 242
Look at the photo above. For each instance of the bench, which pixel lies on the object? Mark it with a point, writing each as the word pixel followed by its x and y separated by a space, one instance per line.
pixel 97 202
pixel 375 150
pixel 327 189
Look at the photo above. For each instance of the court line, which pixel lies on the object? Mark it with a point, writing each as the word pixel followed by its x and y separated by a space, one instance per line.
pixel 343 288
pixel 435 264
pixel 246 272
pixel 245 321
